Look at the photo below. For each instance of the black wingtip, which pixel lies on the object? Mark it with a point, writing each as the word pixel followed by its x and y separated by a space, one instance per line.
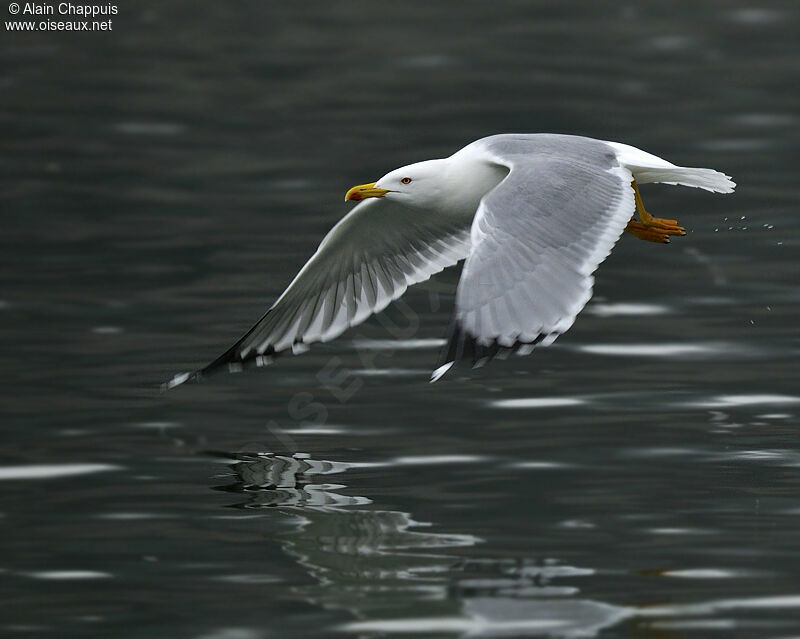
pixel 229 362
pixel 462 345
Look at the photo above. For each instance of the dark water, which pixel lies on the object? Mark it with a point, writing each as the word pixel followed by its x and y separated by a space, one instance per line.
pixel 163 182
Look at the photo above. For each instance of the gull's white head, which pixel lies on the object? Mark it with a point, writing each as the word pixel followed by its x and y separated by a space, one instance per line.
pixel 452 184
pixel 423 185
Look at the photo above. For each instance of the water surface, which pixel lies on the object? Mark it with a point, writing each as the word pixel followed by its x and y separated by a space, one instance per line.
pixel 163 182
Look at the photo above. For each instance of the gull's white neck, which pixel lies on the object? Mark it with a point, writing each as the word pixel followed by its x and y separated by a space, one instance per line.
pixel 467 177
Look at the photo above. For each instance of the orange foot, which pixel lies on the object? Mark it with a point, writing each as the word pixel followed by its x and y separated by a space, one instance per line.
pixel 653 233
pixel 649 227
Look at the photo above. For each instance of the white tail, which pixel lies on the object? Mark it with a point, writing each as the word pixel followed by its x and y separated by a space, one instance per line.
pixel 647 167
pixel 707 179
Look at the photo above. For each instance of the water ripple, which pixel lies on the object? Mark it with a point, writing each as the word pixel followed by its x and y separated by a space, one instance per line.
pixel 538 402
pixel 728 401
pixel 51 471
pixel 703 573
pixel 65 575
pixel 653 350
pixel 430 460
pixel 626 309
pixel 398 344
pixel 540 465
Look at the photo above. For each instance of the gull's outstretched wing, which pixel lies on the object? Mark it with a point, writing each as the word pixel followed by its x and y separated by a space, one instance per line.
pixel 367 260
pixel 537 238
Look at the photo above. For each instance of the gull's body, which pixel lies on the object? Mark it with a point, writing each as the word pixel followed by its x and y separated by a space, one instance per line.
pixel 533 214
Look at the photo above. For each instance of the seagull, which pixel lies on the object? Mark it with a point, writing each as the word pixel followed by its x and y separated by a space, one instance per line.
pixel 532 215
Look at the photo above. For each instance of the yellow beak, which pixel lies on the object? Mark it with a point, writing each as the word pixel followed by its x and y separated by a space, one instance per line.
pixel 363 191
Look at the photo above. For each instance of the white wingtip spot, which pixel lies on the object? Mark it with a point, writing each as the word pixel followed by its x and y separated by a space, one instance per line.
pixel 298 348
pixel 179 379
pixel 551 337
pixel 437 374
pixel 263 360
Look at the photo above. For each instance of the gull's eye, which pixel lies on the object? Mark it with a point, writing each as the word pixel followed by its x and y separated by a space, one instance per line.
pixel 405 180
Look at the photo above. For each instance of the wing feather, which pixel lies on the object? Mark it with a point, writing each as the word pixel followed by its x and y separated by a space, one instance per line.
pixel 367 260
pixel 537 238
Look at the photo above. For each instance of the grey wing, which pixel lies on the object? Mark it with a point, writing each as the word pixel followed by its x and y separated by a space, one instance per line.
pixel 367 260
pixel 536 240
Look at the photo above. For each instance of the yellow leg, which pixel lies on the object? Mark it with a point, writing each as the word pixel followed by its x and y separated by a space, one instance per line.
pixel 649 227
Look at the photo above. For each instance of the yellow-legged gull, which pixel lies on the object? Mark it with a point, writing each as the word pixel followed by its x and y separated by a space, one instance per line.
pixel 533 214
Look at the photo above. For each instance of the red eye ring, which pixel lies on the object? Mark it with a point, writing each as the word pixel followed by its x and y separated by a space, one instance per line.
pixel 405 180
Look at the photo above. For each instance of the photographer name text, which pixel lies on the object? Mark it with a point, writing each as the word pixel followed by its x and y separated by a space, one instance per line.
pixel 64 9
pixel 69 10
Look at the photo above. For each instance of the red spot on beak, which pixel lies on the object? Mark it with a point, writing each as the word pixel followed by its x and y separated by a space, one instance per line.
pixel 356 197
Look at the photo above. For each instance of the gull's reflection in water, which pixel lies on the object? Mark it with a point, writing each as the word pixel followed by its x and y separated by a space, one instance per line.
pixel 394 577
pixel 278 480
